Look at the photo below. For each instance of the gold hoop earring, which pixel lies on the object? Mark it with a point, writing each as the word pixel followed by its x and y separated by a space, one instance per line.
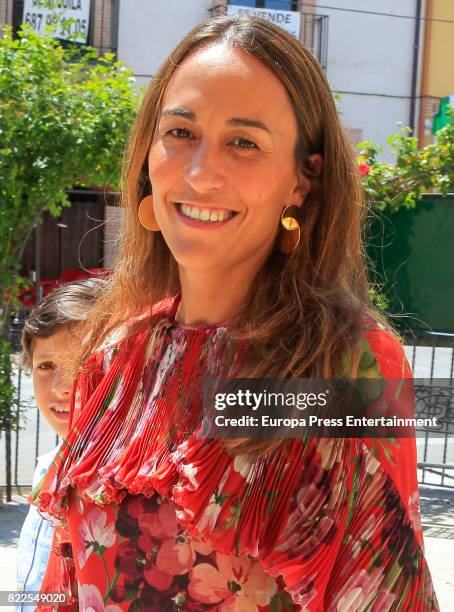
pixel 290 237
pixel 146 214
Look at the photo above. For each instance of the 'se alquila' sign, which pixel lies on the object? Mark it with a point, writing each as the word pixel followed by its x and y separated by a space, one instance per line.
pixel 71 16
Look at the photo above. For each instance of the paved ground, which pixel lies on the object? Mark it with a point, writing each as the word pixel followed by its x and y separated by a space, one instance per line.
pixel 437 509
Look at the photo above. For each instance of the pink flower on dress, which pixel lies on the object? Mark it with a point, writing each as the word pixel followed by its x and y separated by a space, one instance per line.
pixel 238 584
pixel 90 600
pixel 189 471
pixel 414 511
pixel 157 525
pixel 159 579
pixel 210 514
pixel 214 507
pixel 358 592
pixel 176 556
pixel 384 601
pixel 242 464
pixel 372 464
pixel 357 545
pixel 329 450
pixel 168 552
pixel 97 535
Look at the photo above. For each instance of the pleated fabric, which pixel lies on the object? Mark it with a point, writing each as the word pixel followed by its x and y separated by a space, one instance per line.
pixel 151 513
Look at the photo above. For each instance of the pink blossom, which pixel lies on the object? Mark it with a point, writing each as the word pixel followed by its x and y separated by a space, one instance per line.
pixel 176 556
pixel 238 584
pixel 95 533
pixel 90 600
pixel 357 592
pixel 414 511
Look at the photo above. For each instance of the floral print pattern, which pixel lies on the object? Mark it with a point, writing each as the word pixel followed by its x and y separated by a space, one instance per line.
pixel 157 563
pixel 96 534
pixel 161 517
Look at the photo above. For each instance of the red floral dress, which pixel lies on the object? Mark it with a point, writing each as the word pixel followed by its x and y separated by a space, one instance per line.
pixel 154 515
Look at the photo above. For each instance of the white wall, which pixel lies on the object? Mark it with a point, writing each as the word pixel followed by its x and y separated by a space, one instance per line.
pixel 371 54
pixel 149 29
pixel 367 54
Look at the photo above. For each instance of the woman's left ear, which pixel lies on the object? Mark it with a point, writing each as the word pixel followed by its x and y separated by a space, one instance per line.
pixel 304 186
pixel 301 190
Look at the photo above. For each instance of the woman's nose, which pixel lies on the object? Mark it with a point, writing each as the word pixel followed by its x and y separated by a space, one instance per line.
pixel 204 171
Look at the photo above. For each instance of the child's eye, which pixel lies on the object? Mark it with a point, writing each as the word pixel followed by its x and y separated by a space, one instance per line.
pixel 47 365
pixel 244 143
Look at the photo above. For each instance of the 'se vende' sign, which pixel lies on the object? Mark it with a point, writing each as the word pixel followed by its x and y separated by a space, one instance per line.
pixel 287 20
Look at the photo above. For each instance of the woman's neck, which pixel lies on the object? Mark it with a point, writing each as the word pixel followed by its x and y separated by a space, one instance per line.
pixel 209 297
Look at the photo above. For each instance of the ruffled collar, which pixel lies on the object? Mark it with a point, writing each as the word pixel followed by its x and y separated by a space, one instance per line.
pixel 139 432
pixel 138 400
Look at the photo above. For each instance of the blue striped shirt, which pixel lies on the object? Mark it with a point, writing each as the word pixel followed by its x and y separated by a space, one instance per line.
pixel 35 540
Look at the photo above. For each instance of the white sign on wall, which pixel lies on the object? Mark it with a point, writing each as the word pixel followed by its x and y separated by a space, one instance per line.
pixel 72 18
pixel 287 20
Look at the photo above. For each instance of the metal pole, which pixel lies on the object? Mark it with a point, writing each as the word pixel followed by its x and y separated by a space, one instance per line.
pixel 7 423
pixel 37 435
pixel 16 462
pixel 38 290
pixel 8 454
pixel 414 78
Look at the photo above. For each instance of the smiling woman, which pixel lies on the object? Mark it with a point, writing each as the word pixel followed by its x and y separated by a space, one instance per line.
pixel 241 257
pixel 220 150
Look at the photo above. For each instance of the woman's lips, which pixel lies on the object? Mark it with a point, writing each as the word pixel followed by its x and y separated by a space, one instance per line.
pixel 203 224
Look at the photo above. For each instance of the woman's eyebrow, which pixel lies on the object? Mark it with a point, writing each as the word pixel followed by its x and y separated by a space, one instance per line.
pixel 178 112
pixel 187 114
pixel 249 123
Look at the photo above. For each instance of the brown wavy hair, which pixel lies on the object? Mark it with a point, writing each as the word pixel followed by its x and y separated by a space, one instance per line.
pixel 66 306
pixel 305 307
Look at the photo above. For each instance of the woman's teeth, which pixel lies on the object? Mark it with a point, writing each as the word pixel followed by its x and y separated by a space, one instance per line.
pixel 204 214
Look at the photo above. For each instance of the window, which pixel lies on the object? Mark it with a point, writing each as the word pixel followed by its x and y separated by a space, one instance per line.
pixel 283 5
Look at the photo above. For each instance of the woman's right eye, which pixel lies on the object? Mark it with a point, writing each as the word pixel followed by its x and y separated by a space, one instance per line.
pixel 179 133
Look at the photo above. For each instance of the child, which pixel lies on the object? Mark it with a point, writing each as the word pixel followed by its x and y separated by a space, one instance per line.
pixel 48 339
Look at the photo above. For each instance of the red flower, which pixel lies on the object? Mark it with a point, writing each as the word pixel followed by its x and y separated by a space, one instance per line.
pixel 364 169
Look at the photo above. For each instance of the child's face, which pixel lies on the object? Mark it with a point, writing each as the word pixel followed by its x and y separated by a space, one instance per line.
pixel 50 380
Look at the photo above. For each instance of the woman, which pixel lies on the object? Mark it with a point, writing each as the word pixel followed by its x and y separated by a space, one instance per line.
pixel 250 252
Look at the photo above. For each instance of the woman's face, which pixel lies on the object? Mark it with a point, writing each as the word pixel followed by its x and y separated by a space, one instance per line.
pixel 222 164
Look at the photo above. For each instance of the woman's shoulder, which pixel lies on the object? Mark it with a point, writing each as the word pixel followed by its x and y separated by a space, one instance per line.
pixel 132 326
pixel 376 351
pixel 381 344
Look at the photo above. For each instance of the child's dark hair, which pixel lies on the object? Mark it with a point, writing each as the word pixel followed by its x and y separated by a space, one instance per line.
pixel 65 306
